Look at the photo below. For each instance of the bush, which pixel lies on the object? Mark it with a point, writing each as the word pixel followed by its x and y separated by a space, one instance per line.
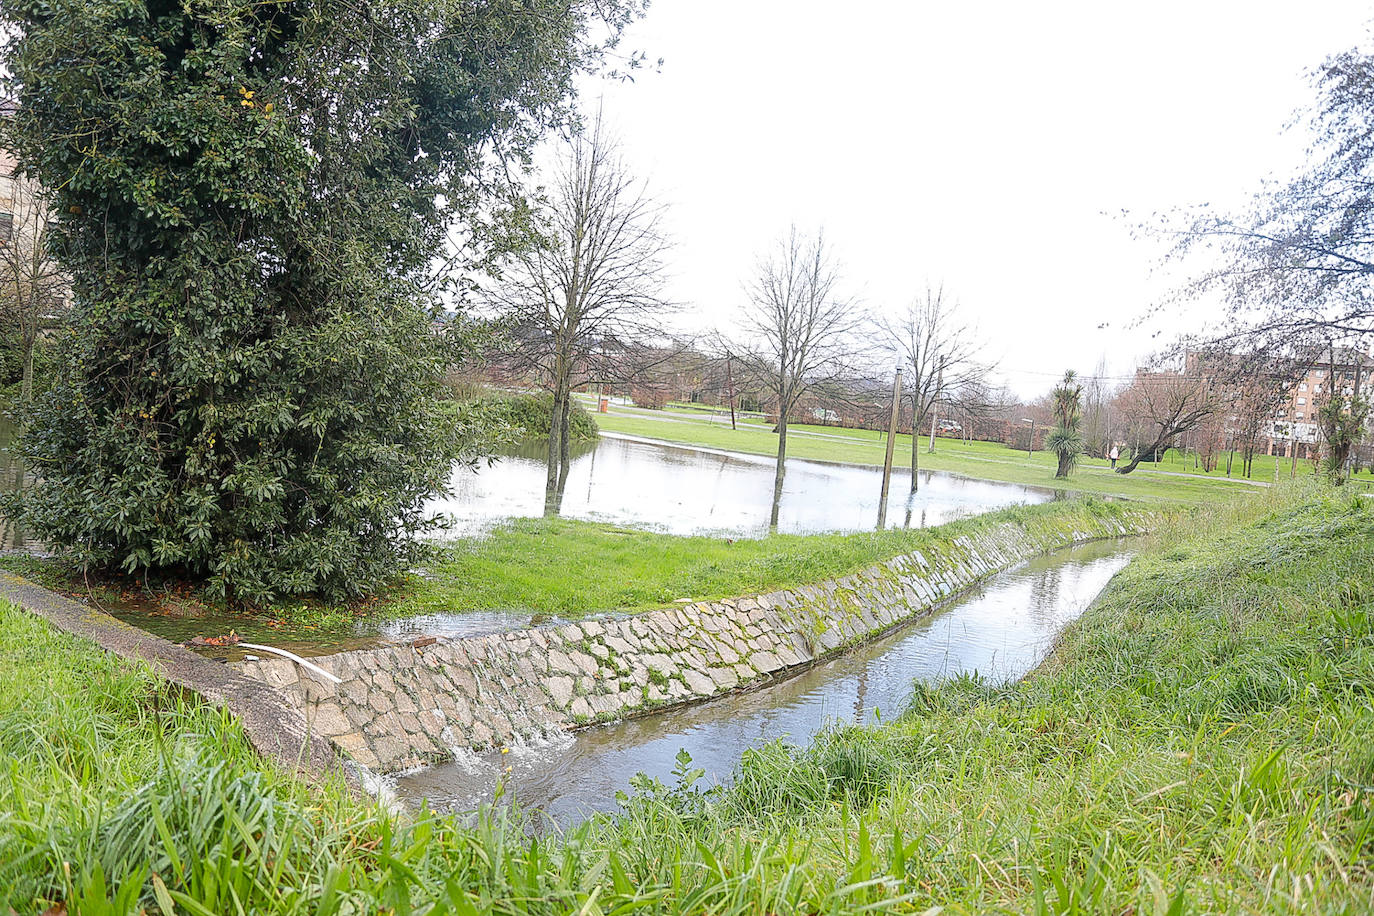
pixel 250 388
pixel 530 416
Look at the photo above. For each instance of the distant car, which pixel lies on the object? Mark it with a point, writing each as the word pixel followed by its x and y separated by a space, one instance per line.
pixel 949 426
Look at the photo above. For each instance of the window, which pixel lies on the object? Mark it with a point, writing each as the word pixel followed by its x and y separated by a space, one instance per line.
pixel 1298 415
pixel 1302 387
pixel 1317 389
pixel 1302 401
pixel 1321 373
pixel 6 227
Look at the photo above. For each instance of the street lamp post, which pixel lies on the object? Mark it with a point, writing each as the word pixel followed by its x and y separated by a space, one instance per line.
pixel 1030 443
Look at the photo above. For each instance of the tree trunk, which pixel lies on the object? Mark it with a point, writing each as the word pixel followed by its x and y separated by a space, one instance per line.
pixel 915 442
pixel 564 444
pixel 1065 464
pixel 555 452
pixel 781 469
pixel 26 386
pixel 30 341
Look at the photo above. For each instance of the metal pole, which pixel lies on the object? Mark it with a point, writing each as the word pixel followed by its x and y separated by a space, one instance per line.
pixel 891 442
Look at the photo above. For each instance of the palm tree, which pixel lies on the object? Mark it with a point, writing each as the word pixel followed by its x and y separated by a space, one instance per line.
pixel 1065 440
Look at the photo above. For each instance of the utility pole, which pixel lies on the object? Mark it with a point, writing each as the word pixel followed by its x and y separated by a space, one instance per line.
pixel 730 389
pixel 891 442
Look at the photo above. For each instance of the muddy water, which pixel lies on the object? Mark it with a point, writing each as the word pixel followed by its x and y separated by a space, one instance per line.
pixel 1001 630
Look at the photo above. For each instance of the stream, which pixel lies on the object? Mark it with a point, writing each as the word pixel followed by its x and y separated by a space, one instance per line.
pixel 1001 629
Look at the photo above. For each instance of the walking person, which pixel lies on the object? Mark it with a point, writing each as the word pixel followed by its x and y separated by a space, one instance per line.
pixel 1113 455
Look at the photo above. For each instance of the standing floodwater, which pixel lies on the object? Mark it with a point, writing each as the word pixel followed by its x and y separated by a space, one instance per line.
pixel 683 490
pixel 1001 630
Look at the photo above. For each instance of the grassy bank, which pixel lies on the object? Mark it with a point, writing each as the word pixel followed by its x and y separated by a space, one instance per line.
pixel 1199 742
pixel 573 568
pixel 987 460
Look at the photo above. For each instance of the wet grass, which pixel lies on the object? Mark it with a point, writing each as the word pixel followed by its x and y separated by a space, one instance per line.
pixel 1201 741
pixel 561 567
pixel 573 568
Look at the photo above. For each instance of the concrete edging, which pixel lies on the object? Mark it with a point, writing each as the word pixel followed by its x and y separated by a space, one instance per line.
pixel 274 728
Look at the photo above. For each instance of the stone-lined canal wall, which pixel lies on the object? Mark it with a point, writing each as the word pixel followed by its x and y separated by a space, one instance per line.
pixel 402 706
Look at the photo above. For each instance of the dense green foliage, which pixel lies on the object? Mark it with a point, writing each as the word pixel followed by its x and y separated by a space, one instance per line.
pixel 529 416
pixel 1200 742
pixel 250 197
pixel 573 568
pixel 1065 438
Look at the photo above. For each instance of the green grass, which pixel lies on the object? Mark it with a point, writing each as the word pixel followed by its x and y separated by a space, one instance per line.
pixel 573 568
pixel 988 460
pixel 1202 741
pixel 563 567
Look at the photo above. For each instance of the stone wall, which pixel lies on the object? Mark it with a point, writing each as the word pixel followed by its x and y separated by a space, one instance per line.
pixel 402 706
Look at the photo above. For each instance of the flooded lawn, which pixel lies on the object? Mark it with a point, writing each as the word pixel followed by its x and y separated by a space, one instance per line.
pixel 681 490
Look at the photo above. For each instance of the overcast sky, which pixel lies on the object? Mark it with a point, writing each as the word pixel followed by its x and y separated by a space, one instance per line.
pixel 991 146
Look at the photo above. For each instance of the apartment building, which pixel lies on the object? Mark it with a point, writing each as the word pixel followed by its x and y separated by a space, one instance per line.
pixel 1294 425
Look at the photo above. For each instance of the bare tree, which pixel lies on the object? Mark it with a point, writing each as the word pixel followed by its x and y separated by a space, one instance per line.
pixel 590 281
pixel 1343 412
pixel 1160 406
pixel 1297 267
pixel 939 354
pixel 32 292
pixel 803 329
pixel 1098 393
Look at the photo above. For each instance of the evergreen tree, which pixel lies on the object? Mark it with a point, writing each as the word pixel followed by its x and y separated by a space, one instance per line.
pixel 1065 439
pixel 250 197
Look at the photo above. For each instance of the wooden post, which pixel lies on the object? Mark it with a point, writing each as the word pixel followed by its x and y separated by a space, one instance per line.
pixel 730 389
pixel 934 409
pixel 891 442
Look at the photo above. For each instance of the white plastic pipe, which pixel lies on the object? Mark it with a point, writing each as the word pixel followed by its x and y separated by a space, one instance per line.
pixel 294 657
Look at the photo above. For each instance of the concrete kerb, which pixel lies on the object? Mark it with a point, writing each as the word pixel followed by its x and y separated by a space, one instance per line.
pixel 275 729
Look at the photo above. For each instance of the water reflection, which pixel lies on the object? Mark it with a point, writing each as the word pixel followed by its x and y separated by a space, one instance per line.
pixel 1002 630
pixel 675 489
pixel 693 491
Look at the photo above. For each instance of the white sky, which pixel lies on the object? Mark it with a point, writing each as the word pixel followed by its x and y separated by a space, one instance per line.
pixel 991 146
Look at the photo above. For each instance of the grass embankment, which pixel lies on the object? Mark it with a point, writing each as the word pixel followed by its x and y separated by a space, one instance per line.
pixel 1202 741
pixel 1172 479
pixel 573 568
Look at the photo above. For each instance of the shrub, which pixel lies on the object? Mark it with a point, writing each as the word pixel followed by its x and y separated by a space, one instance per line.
pixel 248 211
pixel 530 416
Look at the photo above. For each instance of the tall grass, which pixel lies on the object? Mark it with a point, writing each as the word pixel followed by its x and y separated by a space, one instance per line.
pixel 1202 741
